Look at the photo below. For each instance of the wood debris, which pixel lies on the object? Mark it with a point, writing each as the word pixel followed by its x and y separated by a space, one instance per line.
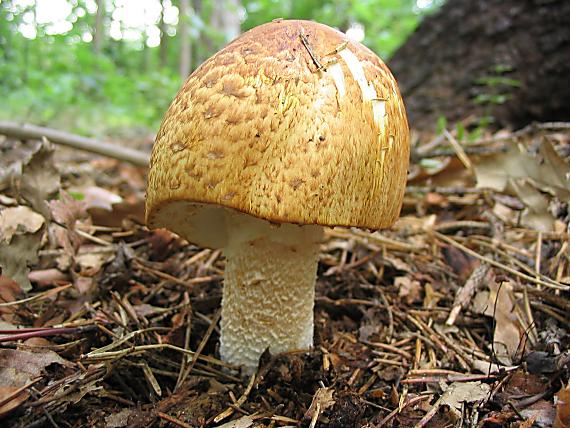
pixel 457 315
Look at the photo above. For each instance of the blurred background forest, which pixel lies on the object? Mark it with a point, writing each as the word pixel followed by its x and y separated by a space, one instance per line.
pixel 103 67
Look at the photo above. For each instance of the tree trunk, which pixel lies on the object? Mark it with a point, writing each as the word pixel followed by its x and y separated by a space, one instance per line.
pixel 185 42
pixel 5 33
pixel 205 43
pixel 145 53
pixel 507 59
pixel 99 30
pixel 163 49
pixel 225 18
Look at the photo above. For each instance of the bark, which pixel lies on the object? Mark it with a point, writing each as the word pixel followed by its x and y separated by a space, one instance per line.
pixel 185 42
pixel 225 18
pixel 205 43
pixel 163 49
pixel 458 61
pixel 29 132
pixel 99 29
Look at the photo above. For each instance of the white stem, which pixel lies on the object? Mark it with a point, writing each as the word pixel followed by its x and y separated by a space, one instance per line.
pixel 268 293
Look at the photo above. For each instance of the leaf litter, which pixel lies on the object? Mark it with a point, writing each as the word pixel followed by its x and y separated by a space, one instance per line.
pixel 457 316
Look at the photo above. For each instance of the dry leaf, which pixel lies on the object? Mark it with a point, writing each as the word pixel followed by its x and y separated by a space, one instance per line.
pixel 131 207
pixel 45 277
pixel 15 402
pixel 560 186
pixel 464 392
pixel 535 215
pixel 97 197
pixel 18 368
pixel 408 289
pixel 40 179
pixel 322 400
pixel 18 220
pixel 498 303
pixel 29 171
pixel 518 173
pixel 539 414
pixel 243 422
pixel 494 172
pixel 119 419
pixel 67 211
pixel 10 290
pixel 563 409
pixel 508 333
pixel 27 364
pixel 21 232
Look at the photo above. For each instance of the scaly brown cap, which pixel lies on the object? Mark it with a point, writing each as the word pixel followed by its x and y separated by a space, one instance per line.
pixel 291 122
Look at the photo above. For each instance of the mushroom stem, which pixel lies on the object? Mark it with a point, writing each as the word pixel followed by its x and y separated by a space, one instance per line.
pixel 268 293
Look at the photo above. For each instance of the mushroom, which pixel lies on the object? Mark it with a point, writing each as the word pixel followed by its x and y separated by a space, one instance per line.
pixel 290 128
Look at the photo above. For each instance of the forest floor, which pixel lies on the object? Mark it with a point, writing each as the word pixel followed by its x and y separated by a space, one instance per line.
pixel 456 316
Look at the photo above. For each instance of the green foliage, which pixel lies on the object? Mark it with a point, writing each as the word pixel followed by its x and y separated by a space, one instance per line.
pixel 496 86
pixel 387 23
pixel 441 124
pixel 59 80
pixel 67 86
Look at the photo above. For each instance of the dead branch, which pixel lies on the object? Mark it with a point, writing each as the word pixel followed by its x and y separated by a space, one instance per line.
pixel 28 131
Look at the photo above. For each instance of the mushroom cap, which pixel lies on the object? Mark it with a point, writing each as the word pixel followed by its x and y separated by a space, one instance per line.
pixel 292 122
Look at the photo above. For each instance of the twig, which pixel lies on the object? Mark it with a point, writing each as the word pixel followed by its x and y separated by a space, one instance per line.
pixel 39 296
pixel 391 348
pixel 449 378
pixel 466 292
pixel 397 410
pixel 375 238
pixel 47 332
pixel 460 152
pixel 188 283
pixel 547 282
pixel 305 42
pixel 28 131
pixel 201 346
pixel 18 391
pixel 230 410
pixel 173 420
pixel 186 315
pixel 135 350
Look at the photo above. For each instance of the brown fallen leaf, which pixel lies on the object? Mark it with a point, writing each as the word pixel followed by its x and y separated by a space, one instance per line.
pixel 535 215
pixel 45 277
pixel 67 211
pixel 562 419
pixel 322 400
pixel 9 291
pixel 14 400
pixel 27 364
pixel 531 178
pixel 408 289
pixel 539 414
pixel 21 231
pixel 495 172
pixel 119 419
pixel 464 392
pixel 20 368
pixel 28 170
pixel 97 197
pixel 243 422
pixel 462 264
pixel 131 208
pixel 508 334
pixel 465 293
